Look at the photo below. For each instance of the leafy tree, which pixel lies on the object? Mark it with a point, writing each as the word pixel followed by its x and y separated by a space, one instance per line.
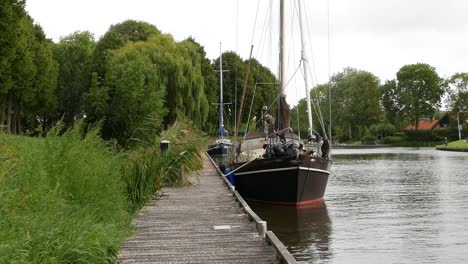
pixel 44 105
pixel 355 102
pixel 388 98
pixel 299 122
pixel 211 84
pixel 134 88
pixel 11 12
pixel 233 80
pixel 261 80
pixel 186 90
pixel 458 94
pixel 117 36
pixel 418 91
pixel 74 55
pixel 34 75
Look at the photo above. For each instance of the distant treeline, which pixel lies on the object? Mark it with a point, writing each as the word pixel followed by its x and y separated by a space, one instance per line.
pixel 132 72
pixel 363 107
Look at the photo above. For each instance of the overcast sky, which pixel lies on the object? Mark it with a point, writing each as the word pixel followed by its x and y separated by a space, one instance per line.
pixel 379 36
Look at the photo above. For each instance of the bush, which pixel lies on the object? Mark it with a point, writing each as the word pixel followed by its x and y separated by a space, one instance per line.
pixel 392 140
pixel 368 139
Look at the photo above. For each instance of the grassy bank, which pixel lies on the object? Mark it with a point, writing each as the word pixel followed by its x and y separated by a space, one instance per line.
pixel 70 198
pixel 455 145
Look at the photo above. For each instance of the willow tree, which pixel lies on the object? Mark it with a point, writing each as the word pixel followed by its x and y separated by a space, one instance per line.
pixel 118 36
pixel 157 78
pixel 211 89
pixel 186 95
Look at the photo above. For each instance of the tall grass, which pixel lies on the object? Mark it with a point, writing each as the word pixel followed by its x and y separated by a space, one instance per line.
pixel 149 169
pixel 69 198
pixel 62 199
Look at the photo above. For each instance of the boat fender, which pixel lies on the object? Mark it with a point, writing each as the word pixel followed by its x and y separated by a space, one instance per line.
pixel 231 177
pixel 222 168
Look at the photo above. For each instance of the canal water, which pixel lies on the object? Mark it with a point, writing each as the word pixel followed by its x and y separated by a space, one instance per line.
pixel 383 205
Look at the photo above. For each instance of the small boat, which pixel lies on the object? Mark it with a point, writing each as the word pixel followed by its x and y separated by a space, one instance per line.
pixel 222 145
pixel 286 173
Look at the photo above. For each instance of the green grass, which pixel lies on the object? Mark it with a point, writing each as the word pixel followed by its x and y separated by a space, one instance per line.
pixel 63 199
pixel 149 169
pixel 70 198
pixel 459 144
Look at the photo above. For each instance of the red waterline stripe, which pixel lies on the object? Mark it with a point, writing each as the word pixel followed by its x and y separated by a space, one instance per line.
pixel 315 203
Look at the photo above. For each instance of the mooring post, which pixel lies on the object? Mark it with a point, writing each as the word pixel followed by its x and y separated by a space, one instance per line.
pixel 262 228
pixel 164 146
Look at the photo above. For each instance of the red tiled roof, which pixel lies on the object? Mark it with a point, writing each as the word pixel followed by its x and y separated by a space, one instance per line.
pixel 423 124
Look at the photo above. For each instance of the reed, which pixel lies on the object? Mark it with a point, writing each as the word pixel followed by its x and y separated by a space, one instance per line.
pixel 70 197
pixel 62 199
pixel 149 169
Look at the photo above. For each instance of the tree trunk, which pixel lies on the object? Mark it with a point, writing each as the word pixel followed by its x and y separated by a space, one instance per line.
pixel 14 123
pixel 2 112
pixel 18 121
pixel 9 113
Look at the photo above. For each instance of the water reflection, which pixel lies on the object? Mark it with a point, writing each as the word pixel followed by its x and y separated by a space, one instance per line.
pixel 389 205
pixel 306 232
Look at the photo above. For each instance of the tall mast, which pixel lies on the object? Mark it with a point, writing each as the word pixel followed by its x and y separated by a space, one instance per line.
pixel 221 125
pixel 305 63
pixel 281 67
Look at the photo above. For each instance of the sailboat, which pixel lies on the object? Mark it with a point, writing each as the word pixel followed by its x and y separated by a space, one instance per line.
pixel 222 144
pixel 286 174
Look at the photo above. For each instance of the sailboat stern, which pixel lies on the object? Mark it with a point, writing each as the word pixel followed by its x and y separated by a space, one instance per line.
pixel 284 181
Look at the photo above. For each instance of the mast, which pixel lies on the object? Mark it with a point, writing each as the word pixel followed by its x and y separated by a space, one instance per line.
pixel 281 68
pixel 305 64
pixel 221 125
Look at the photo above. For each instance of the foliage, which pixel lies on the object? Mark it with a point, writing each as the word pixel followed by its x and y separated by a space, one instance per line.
pixel 418 91
pixel 63 200
pixel 368 138
pixel 211 85
pixel 11 11
pixel 458 92
pixel 382 130
pixel 157 77
pixel 118 36
pixel 261 79
pixel 74 54
pixel 392 140
pixel 149 169
pixel 389 100
pixel 355 103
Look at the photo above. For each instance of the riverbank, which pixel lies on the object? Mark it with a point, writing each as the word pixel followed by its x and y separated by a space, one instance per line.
pixel 459 145
pixel 70 197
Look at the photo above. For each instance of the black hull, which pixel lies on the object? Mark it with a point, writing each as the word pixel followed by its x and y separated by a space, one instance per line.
pixel 285 180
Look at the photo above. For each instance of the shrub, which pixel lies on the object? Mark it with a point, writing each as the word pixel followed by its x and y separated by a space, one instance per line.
pixel 392 140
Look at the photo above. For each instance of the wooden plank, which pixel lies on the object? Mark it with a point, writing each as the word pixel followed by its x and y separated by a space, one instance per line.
pixel 190 225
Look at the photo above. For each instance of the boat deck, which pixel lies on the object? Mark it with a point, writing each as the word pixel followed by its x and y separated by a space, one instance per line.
pixel 202 223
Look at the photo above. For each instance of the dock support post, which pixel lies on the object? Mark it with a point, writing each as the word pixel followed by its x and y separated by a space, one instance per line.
pixel 262 228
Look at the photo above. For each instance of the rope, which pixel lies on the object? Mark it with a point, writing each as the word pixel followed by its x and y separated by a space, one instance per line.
pixel 238 168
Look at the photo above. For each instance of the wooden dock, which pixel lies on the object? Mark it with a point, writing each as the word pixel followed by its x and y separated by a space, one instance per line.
pixel 207 222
